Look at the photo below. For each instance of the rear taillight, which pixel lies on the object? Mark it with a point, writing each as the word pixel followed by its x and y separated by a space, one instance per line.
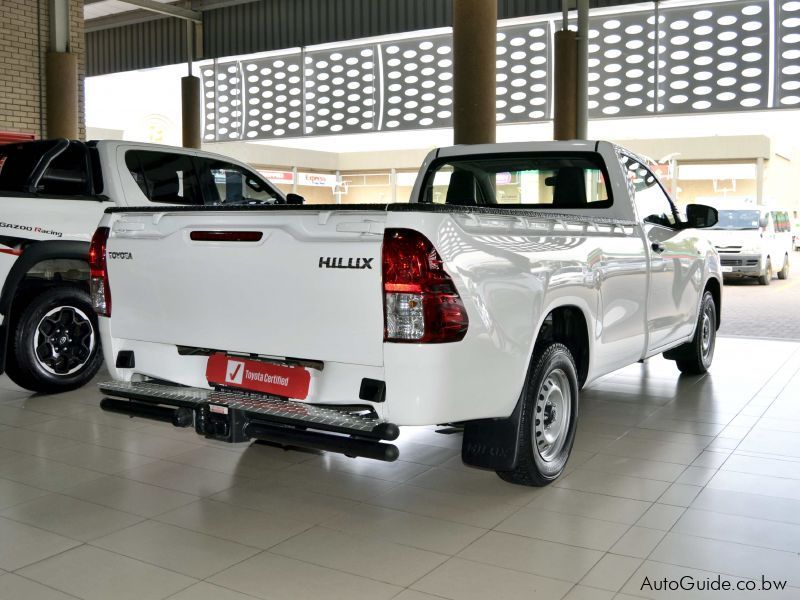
pixel 99 289
pixel 421 303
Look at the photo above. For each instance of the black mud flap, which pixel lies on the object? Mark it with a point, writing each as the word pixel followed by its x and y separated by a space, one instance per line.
pixel 493 443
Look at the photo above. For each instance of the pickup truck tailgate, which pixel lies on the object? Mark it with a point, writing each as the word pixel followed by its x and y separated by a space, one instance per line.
pixel 302 284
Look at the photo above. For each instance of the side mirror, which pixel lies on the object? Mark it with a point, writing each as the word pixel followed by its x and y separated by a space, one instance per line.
pixel 294 199
pixel 699 216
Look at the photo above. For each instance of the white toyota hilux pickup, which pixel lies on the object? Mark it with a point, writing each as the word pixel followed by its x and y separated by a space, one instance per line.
pixel 52 196
pixel 517 274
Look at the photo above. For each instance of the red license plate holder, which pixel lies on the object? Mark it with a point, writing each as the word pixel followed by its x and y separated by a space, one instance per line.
pixel 258 376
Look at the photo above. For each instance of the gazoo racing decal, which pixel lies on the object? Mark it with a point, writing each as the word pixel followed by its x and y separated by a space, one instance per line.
pixel 30 228
pixel 120 255
pixel 338 262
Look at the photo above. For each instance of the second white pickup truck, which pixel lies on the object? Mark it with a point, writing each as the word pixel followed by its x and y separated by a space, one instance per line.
pixel 517 274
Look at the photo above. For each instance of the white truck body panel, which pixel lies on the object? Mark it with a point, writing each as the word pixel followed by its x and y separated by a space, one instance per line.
pixel 511 269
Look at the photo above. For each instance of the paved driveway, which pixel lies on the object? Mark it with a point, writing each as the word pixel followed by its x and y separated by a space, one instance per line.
pixel 753 310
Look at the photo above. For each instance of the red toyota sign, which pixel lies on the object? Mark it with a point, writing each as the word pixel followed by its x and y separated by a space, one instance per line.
pixel 258 376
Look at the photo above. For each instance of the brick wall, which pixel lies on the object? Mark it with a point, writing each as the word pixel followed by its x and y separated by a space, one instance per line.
pixel 24 37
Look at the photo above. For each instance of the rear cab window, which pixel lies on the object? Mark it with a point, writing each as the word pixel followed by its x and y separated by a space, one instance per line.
pixel 46 168
pixel 529 180
pixel 183 179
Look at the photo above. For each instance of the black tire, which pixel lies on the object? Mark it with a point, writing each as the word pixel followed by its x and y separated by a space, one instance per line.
pixel 766 278
pixel 68 310
pixel 784 272
pixel 552 367
pixel 695 357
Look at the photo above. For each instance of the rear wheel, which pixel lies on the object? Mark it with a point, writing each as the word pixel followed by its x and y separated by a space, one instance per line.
pixel 56 342
pixel 784 272
pixel 766 278
pixel 549 418
pixel 695 357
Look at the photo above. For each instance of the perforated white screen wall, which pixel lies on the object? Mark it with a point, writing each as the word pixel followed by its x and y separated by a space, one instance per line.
pixel 788 51
pixel 671 59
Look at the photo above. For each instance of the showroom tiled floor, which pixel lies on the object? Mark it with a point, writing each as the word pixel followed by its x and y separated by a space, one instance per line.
pixel 669 477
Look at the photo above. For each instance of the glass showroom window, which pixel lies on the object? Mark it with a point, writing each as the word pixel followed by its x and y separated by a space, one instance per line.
pixel 317 188
pixel 716 183
pixel 404 181
pixel 283 179
pixel 366 188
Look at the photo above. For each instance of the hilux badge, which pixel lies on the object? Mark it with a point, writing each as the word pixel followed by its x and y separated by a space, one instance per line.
pixel 338 262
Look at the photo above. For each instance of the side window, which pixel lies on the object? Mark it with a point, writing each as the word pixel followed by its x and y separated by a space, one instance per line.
pixel 164 177
pixel 652 203
pixel 226 183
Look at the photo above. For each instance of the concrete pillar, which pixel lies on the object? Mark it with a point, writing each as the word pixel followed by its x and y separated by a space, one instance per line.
pixel 474 71
pixel 565 80
pixel 582 73
pixel 760 181
pixel 62 95
pixel 190 111
pixel 61 75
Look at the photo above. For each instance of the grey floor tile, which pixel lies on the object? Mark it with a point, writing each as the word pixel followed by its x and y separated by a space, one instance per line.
pixel 22 544
pixel 384 561
pixel 744 530
pixel 46 474
pixel 638 542
pixel 614 485
pixel 772 467
pixel 473 482
pixel 275 577
pixel 634 467
pixel 129 496
pixel 539 557
pixel 582 592
pixel 96 458
pixel 749 505
pixel 208 591
pixel 12 493
pixel 249 463
pixel 398 471
pixel 290 503
pixel 661 516
pixel 70 517
pixel 587 504
pixel 174 548
pixel 95 574
pixel 14 587
pixel 764 485
pixel 467 580
pixel 181 478
pixel 235 523
pixel 679 494
pixel 725 557
pixel 566 529
pixel 611 572
pixel 311 479
pixel 480 511
pixel 436 535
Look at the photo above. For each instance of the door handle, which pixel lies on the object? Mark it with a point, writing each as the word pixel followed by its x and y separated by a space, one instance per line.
pixel 657 247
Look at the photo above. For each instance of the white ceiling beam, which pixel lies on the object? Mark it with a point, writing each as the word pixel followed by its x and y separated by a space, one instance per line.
pixel 169 10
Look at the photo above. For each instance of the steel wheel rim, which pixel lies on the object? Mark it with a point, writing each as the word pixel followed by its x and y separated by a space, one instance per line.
pixel 552 417
pixel 707 331
pixel 64 341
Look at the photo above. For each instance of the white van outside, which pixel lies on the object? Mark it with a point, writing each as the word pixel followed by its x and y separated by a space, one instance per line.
pixel 752 241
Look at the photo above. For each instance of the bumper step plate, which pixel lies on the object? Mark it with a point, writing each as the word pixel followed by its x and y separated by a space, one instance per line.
pixel 237 416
